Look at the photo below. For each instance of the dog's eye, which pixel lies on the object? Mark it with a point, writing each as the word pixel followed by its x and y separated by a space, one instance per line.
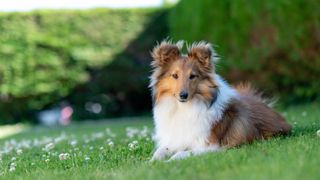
pixel 192 76
pixel 175 76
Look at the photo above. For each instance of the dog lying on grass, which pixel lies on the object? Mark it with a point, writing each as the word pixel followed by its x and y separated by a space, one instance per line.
pixel 196 111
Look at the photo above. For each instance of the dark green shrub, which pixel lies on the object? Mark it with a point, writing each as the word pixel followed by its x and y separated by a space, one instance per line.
pixel 99 55
pixel 273 44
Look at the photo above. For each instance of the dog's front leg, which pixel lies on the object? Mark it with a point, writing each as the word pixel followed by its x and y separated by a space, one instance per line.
pixel 160 154
pixel 195 152
pixel 211 148
pixel 180 155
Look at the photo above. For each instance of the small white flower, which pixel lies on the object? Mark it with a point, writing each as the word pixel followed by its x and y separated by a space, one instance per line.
pixel 49 146
pixel 110 143
pixel 110 133
pixel 64 156
pixel 47 160
pixel 318 133
pixel 97 135
pixel 13 158
pixel 12 167
pixel 101 148
pixel 131 132
pixel 133 145
pixel 91 148
pixel 19 151
pixel 144 132
pixel 86 158
pixel 13 164
pixel 73 143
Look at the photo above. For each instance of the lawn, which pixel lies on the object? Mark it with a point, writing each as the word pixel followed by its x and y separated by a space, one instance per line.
pixel 121 149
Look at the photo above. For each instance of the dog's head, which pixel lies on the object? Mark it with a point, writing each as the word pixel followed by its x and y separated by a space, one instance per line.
pixel 183 76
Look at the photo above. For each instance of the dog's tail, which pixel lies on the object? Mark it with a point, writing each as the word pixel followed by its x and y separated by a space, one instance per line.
pixel 246 89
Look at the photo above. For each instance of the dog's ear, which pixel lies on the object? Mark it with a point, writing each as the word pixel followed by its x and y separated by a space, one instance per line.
pixel 203 53
pixel 166 52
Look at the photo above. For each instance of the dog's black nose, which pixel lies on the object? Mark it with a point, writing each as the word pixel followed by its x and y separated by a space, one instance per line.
pixel 183 95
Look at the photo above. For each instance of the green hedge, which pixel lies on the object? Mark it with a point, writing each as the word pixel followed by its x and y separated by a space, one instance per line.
pixel 49 56
pixel 273 44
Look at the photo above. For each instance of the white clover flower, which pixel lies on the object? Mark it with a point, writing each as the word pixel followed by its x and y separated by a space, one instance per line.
pixel 144 132
pixel 73 143
pixel 133 145
pixel 49 146
pixel 101 148
pixel 64 156
pixel 13 164
pixel 318 133
pixel 131 132
pixel 19 151
pixel 110 133
pixel 47 160
pixel 110 143
pixel 12 167
pixel 13 158
pixel 97 135
pixel 87 158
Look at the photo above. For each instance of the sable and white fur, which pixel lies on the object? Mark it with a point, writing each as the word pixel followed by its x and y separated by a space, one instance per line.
pixel 215 116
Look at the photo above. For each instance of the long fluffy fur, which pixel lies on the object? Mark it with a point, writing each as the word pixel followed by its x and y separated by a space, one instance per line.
pixel 235 116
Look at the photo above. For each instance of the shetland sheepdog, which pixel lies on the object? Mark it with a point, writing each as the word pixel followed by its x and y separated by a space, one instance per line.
pixel 195 111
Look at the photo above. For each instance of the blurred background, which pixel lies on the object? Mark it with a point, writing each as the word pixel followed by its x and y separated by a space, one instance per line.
pixel 80 60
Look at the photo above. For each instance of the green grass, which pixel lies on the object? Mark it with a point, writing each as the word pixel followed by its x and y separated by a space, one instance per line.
pixel 292 157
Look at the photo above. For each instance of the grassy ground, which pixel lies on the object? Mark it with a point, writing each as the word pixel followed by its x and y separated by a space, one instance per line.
pixel 121 150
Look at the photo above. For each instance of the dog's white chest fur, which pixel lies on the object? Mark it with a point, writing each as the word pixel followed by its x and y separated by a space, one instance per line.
pixel 182 126
pixel 187 126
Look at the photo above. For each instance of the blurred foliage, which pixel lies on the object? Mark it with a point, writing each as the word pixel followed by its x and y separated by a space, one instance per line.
pixel 98 60
pixel 273 44
pixel 86 57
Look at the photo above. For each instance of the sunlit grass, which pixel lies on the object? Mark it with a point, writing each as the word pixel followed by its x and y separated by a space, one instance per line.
pixel 9 130
pixel 121 150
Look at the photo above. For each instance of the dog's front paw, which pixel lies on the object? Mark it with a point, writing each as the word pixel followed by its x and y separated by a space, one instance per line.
pixel 160 154
pixel 180 155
